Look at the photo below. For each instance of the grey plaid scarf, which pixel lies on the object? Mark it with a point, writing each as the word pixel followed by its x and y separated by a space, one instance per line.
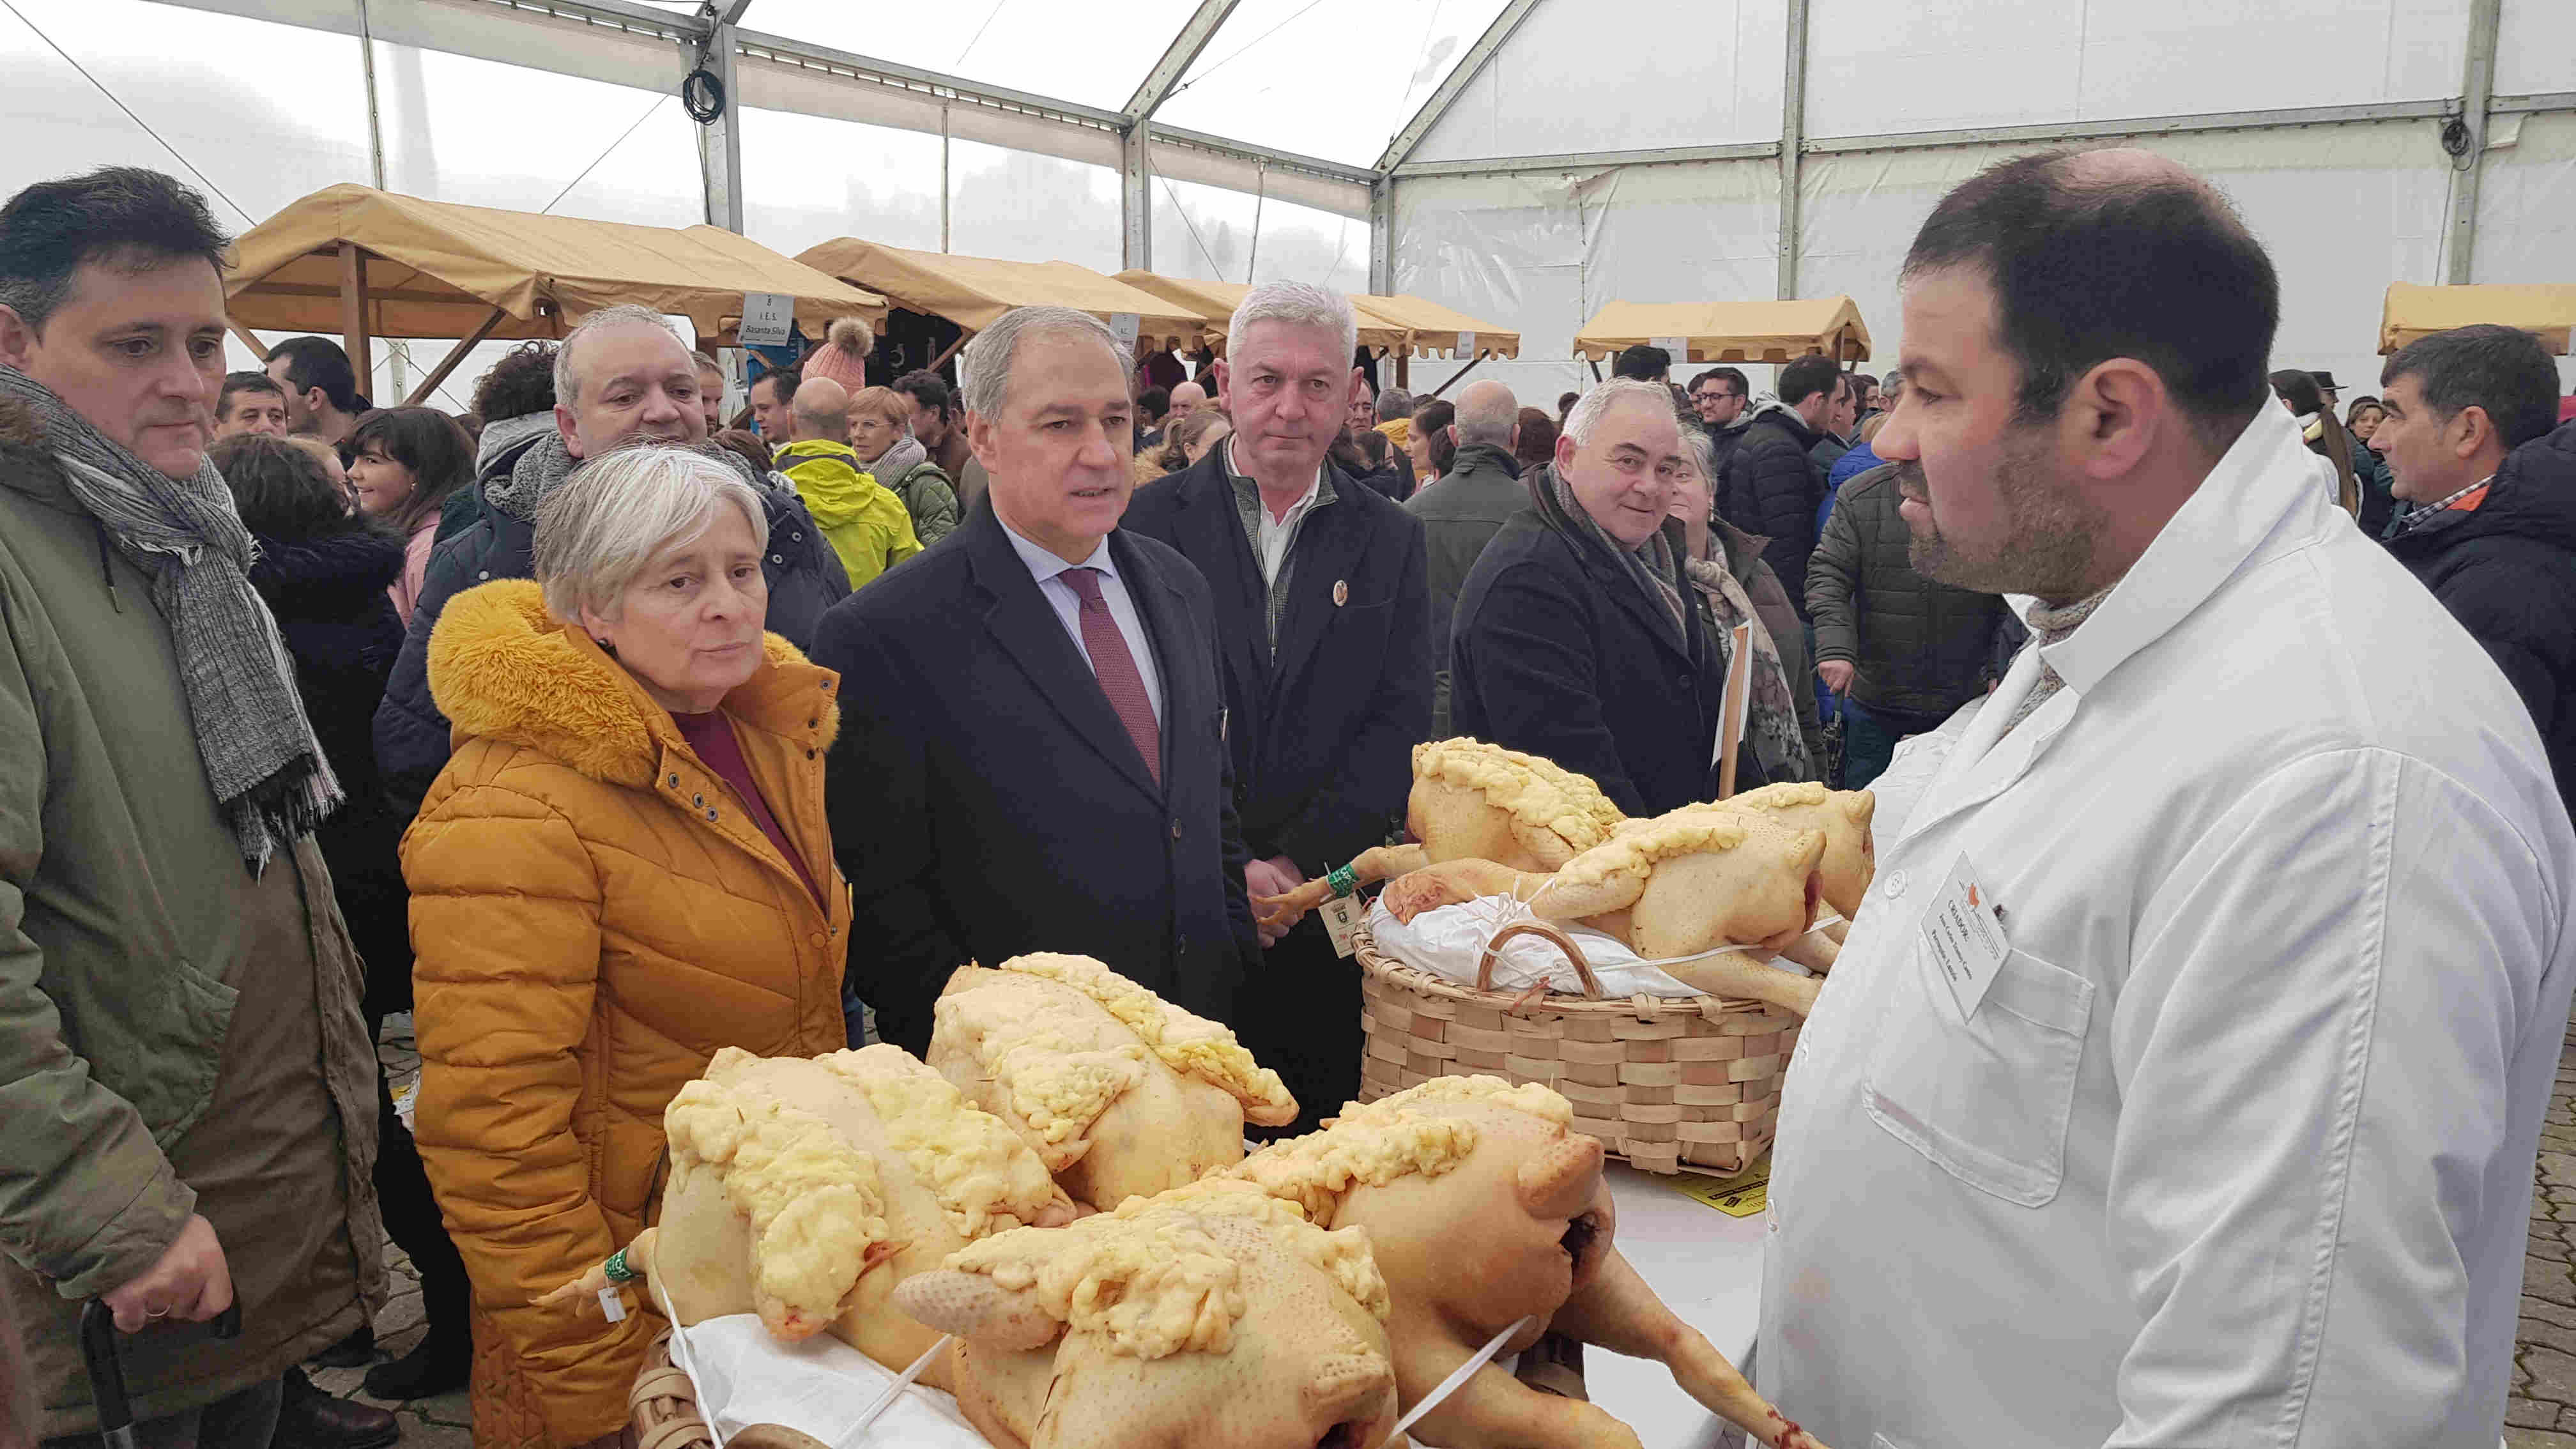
pixel 260 757
pixel 1654 566
pixel 547 465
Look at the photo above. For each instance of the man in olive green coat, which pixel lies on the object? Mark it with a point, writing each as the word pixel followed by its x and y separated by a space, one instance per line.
pixel 187 1103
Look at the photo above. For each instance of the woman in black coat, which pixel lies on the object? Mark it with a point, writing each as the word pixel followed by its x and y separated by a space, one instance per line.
pixel 323 571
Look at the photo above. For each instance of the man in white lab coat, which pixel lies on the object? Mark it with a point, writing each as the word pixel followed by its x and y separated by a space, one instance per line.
pixel 2181 1080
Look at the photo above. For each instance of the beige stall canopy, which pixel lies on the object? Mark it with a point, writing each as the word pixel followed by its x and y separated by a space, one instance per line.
pixel 1217 300
pixel 974 292
pixel 366 263
pixel 1731 331
pixel 1432 330
pixel 2547 312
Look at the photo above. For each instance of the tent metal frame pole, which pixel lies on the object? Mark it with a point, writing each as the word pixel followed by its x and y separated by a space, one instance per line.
pixel 1135 203
pixel 1793 131
pixel 2477 92
pixel 1480 356
pixel 454 358
pixel 1461 75
pixel 720 141
pixel 944 215
pixel 2280 118
pixel 1184 51
pixel 1382 237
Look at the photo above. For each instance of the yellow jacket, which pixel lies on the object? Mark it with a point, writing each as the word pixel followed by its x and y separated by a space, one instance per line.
pixel 594 914
pixel 868 525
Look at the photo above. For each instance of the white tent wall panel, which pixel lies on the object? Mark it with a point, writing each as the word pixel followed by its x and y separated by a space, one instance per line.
pixel 772 86
pixel 807 179
pixel 2343 210
pixel 2527 208
pixel 2536 48
pixel 1876 66
pixel 1546 251
pixel 1205 232
pixel 1024 207
pixel 485 31
pixel 204 82
pixel 1207 168
pixel 1666 72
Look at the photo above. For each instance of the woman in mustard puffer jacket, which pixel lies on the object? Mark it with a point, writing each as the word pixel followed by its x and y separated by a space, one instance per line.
pixel 624 867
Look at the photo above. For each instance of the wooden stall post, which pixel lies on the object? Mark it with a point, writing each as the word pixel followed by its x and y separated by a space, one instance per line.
pixel 353 313
pixel 248 339
pixel 455 355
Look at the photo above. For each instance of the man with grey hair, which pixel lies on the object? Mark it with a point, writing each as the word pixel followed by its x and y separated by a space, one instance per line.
pixel 621 376
pixel 1323 609
pixel 1576 638
pixel 1462 510
pixel 1032 749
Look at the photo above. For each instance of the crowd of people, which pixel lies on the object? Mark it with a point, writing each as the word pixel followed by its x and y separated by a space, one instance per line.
pixel 601 732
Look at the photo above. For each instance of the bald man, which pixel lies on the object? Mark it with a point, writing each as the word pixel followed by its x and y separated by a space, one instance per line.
pixel 863 520
pixel 2191 1049
pixel 820 412
pixel 1187 398
pixel 1463 509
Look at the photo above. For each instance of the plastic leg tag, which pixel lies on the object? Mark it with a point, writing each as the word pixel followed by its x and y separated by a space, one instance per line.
pixel 612 1303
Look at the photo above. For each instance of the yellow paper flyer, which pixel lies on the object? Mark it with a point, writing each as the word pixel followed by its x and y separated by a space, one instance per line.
pixel 1740 1196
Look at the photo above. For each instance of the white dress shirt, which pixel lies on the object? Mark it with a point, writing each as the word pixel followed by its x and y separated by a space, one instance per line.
pixel 2237 1149
pixel 1273 534
pixel 1049 571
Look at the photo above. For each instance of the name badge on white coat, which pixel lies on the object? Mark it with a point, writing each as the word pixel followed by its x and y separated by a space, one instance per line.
pixel 1963 937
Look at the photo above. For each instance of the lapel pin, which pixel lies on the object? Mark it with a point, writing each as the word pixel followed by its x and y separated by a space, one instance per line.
pixel 1341 592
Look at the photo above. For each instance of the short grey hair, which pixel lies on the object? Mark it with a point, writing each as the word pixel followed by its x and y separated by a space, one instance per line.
pixel 988 357
pixel 1703 452
pixel 1393 403
pixel 1303 305
pixel 1594 405
pixel 604 526
pixel 567 383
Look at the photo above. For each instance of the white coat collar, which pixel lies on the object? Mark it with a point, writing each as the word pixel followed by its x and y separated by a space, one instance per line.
pixel 2256 485
pixel 2262 478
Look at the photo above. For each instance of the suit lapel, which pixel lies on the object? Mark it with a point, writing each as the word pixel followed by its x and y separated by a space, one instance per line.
pixel 1327 550
pixel 1028 629
pixel 1623 589
pixel 1210 527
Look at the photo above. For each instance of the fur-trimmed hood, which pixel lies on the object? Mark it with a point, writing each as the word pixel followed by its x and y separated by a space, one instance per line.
pixel 502 668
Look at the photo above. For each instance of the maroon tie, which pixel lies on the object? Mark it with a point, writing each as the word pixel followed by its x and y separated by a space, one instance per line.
pixel 1116 669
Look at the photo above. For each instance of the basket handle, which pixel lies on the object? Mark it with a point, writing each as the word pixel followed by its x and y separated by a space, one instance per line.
pixel 1547 931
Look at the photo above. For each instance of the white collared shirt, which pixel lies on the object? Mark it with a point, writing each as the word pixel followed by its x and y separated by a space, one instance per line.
pixel 1274 534
pixel 1049 572
pixel 2237 1148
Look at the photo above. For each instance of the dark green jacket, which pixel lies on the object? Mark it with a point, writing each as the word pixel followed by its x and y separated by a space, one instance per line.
pixel 176 1037
pixel 1461 511
pixel 1917 646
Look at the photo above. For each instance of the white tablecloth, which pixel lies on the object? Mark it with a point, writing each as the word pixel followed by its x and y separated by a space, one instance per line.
pixel 1708 1268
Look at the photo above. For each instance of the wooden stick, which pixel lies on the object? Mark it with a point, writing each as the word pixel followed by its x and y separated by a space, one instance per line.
pixel 248 339
pixel 961 341
pixel 1461 372
pixel 1730 712
pixel 455 355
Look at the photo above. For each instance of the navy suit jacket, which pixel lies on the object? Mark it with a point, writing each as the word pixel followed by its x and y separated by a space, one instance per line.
pixel 986 801
pixel 1322 733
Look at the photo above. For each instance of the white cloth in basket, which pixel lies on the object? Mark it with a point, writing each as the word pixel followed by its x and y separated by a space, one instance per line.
pixel 746 1376
pixel 1450 940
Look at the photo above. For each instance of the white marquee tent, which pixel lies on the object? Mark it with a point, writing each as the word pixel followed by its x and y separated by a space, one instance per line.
pixel 1528 161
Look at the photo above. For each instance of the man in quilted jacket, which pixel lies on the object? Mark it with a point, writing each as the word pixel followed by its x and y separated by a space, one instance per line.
pixel 1903 650
pixel 1772 487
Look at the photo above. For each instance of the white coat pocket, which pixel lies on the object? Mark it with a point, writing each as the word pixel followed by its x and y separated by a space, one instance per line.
pixel 1987 1098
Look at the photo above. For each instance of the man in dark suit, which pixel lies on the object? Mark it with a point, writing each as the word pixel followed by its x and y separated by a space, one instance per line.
pixel 1323 620
pixel 1032 749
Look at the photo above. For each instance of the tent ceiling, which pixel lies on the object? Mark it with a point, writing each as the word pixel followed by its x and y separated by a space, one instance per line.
pixel 437 269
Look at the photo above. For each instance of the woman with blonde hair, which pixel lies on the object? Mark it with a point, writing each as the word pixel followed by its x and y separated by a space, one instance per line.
pixel 624 868
pixel 881 436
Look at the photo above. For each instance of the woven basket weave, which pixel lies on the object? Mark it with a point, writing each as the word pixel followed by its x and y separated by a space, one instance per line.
pixel 663 1405
pixel 1667 1082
